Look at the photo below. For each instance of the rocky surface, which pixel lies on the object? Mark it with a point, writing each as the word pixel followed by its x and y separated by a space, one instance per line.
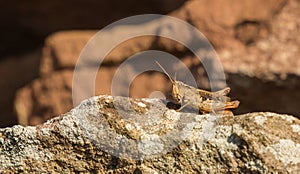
pixel 257 47
pixel 121 135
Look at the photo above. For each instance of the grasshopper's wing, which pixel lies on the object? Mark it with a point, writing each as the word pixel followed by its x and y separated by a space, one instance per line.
pixel 221 95
pixel 218 95
pixel 222 92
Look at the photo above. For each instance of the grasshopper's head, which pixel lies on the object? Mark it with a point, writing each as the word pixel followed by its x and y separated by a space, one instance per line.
pixel 176 94
pixel 175 89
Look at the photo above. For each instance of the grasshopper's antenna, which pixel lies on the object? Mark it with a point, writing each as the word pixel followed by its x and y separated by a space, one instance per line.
pixel 175 76
pixel 165 71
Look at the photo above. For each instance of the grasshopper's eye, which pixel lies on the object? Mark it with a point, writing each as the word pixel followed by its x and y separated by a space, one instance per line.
pixel 177 97
pixel 176 93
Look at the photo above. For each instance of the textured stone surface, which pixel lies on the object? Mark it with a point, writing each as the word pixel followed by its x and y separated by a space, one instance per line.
pixel 85 138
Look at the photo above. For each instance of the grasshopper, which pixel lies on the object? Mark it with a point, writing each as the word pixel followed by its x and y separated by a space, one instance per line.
pixel 203 100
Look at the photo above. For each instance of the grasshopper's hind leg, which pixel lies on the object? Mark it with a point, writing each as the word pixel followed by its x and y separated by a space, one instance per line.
pixel 218 106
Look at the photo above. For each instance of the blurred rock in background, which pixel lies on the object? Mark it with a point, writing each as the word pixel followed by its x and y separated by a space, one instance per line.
pixel 256 41
pixel 25 25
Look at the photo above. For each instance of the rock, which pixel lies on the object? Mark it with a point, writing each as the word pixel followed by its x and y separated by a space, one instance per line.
pixel 33 104
pixel 43 99
pixel 218 19
pixel 273 57
pixel 117 134
pixel 16 71
pixel 62 49
pixel 269 65
pixel 257 50
pixel 25 25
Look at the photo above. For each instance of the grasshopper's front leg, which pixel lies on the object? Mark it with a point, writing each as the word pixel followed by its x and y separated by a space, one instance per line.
pixel 183 106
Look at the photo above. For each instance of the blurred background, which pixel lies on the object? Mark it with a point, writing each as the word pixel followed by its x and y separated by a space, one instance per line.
pixel 257 43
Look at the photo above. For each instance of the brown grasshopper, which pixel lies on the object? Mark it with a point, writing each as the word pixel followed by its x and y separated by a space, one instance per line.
pixel 203 100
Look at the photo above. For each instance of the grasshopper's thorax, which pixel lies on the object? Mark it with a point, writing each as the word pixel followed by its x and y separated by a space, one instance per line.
pixel 188 94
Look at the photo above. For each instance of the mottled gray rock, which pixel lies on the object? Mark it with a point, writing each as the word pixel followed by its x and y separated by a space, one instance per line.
pixel 116 134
